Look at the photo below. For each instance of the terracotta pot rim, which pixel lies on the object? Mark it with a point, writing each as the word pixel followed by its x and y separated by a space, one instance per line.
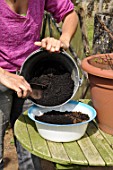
pixel 94 70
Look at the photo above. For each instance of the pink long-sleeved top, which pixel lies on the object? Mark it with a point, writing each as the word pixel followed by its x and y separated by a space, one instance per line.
pixel 18 33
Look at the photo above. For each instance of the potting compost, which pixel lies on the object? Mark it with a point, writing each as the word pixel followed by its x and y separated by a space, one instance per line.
pixel 57 117
pixel 58 85
pixel 102 62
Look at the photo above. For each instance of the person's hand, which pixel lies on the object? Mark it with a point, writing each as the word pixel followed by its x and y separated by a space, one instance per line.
pixel 16 83
pixel 52 44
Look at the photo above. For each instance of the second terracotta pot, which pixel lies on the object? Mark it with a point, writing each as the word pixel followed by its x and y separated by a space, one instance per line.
pixel 101 88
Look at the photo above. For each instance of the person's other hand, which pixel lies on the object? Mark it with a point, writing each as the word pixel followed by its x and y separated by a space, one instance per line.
pixel 53 45
pixel 16 83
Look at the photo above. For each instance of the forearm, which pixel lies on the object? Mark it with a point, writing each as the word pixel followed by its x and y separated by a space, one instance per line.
pixel 15 82
pixel 2 73
pixel 69 26
pixel 68 29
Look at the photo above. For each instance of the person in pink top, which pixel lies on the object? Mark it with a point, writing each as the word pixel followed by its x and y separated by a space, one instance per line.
pixel 20 26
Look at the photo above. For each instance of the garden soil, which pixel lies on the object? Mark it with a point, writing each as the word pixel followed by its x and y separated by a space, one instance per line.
pixel 56 117
pixel 11 162
pixel 57 84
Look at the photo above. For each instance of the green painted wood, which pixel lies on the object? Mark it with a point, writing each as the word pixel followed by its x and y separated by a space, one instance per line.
pixel 25 113
pixel 90 152
pixel 75 153
pixel 39 144
pixel 21 133
pixel 69 167
pixel 94 149
pixel 101 144
pixel 58 152
pixel 108 137
pixel 86 101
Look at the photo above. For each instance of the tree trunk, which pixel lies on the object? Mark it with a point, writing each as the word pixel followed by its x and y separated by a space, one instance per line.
pixel 103 33
pixel 100 5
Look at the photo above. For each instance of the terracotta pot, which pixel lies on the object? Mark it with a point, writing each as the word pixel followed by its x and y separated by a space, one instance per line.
pixel 101 88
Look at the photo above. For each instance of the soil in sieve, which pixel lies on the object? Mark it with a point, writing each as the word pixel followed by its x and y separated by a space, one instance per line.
pixel 58 83
pixel 57 117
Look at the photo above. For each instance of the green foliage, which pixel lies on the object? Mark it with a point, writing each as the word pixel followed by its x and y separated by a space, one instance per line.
pixel 90 30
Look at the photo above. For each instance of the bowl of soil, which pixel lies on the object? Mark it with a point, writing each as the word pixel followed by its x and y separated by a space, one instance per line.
pixel 62 124
pixel 54 77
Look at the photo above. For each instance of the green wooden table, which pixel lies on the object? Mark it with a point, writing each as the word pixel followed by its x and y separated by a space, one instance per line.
pixel 95 148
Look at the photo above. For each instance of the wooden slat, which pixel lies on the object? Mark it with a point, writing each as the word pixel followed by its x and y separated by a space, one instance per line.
pixel 108 137
pixel 101 144
pixel 75 154
pixel 58 152
pixel 90 152
pixel 39 145
pixel 86 101
pixel 95 148
pixel 69 167
pixel 21 133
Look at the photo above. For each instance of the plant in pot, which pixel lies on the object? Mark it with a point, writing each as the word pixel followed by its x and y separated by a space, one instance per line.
pixel 100 73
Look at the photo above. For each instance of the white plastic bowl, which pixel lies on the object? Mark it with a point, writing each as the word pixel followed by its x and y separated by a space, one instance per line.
pixel 62 133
